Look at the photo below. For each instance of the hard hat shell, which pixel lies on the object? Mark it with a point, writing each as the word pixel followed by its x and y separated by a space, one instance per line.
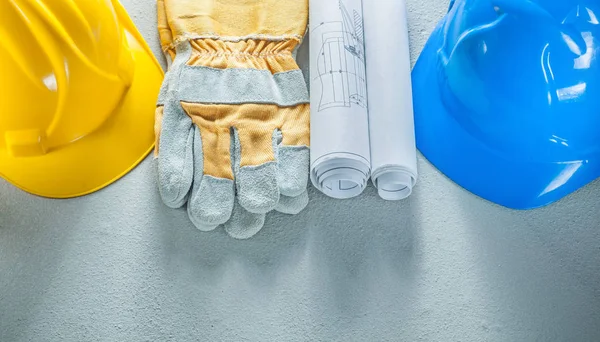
pixel 78 87
pixel 507 98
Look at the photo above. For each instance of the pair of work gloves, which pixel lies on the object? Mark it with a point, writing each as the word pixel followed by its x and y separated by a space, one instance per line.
pixel 232 121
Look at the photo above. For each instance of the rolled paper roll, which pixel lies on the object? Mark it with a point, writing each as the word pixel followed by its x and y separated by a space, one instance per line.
pixel 341 175
pixel 340 153
pixel 391 116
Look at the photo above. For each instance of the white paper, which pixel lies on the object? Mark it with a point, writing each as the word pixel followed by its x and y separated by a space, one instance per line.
pixel 340 153
pixel 391 117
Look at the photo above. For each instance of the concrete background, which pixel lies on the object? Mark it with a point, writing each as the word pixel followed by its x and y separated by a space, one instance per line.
pixel 442 266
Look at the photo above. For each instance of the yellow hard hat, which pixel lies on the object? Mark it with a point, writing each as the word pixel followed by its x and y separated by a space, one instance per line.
pixel 78 88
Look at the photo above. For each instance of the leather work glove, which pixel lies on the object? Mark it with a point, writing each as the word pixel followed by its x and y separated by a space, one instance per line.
pixel 232 121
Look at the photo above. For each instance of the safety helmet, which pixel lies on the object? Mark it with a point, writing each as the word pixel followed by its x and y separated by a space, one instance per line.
pixel 507 98
pixel 78 87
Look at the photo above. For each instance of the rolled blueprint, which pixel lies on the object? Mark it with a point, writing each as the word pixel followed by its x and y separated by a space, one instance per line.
pixel 340 154
pixel 391 117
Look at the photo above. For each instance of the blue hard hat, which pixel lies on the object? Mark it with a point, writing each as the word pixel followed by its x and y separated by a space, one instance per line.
pixel 507 98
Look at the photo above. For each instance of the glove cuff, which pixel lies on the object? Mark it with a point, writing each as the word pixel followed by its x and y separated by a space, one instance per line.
pixel 275 56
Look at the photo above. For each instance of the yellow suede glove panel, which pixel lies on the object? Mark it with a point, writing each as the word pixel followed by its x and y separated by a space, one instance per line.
pixel 236 19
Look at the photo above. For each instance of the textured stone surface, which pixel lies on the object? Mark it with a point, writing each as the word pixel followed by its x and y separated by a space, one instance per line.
pixel 442 266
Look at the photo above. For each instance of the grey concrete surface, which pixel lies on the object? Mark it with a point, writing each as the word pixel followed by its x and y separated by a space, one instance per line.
pixel 442 266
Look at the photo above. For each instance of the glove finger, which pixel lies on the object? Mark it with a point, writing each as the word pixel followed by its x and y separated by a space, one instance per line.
pixel 293 163
pixel 293 205
pixel 257 188
pixel 244 224
pixel 175 158
pixel 293 153
pixel 212 198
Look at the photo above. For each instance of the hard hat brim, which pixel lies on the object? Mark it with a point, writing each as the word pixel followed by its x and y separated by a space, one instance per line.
pixel 501 178
pixel 99 159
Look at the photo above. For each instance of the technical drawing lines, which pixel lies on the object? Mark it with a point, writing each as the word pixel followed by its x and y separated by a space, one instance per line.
pixel 341 61
pixel 353 32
